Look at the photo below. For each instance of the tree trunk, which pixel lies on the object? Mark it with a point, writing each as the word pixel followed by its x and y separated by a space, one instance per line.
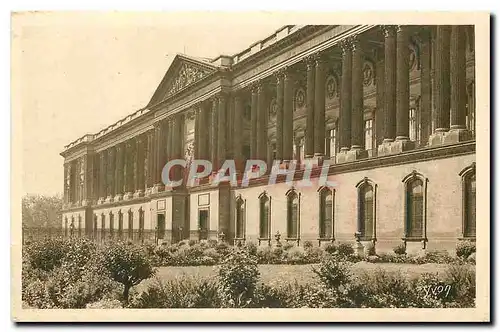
pixel 126 290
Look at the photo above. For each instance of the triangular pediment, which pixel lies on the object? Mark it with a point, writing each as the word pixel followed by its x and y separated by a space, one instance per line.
pixel 183 72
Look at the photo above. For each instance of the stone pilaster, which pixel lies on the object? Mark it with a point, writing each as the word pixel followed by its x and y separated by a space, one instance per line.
pixel 279 114
pixel 222 134
pixel 253 122
pixel 442 78
pixel 310 101
pixel 119 172
pixel 288 116
pixel 214 133
pixel 261 122
pixel 319 107
pixel 458 130
pixel 238 130
pixel 425 85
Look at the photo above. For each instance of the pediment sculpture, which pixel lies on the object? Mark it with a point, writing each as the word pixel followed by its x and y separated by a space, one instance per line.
pixel 186 75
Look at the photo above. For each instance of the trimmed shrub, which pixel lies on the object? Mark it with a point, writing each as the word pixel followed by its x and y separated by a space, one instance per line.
pixel 400 249
pixel 465 248
pixel 370 249
pixel 438 256
pixel 288 245
pixel 313 255
pixel 47 254
pixel 191 243
pixel 238 277
pixel 333 273
pixel 295 255
pixel 345 249
pixel 251 248
pixel 308 244
pixel 330 248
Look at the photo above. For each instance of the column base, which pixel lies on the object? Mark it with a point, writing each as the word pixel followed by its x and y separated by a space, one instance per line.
pixel 147 192
pixel 457 135
pixel 159 187
pixel 109 199
pixel 437 138
pixel 86 202
pixel 350 155
pixel 128 196
pixel 316 160
pixel 118 197
pixel 101 200
pixel 395 147
pixel 138 193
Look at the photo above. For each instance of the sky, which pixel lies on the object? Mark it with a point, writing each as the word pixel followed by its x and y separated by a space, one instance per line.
pixel 77 73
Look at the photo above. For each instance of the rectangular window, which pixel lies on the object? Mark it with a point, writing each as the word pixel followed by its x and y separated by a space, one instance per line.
pixel 203 224
pixel 161 226
pixel 130 226
pixel 264 218
pixel 141 225
pixel 368 135
pixel 414 125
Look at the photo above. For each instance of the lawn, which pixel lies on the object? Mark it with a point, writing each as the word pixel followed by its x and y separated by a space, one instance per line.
pixel 290 273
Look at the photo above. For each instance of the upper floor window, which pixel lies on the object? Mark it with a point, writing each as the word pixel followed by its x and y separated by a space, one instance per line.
pixel 264 216
pixel 366 209
pixel 369 134
pixel 331 143
pixel 130 225
pixel 414 125
pixel 326 218
pixel 141 224
pixel 120 224
pixel 469 201
pixel 111 224
pixel 293 221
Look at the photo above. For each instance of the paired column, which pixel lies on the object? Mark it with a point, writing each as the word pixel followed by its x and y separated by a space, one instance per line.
pixel 310 101
pixel 139 165
pixel 111 173
pixel 457 77
pixel 319 107
pixel 197 131
pixel 238 130
pixel 128 169
pixel 443 78
pixel 402 85
pixel 159 147
pixel 345 98
pixel 287 116
pixel 357 122
pixel 253 122
pixel 119 171
pixel 150 159
pixel 280 86
pixel 102 174
pixel 66 183
pixel 425 85
pixel 222 130
pixel 390 83
pixel 261 123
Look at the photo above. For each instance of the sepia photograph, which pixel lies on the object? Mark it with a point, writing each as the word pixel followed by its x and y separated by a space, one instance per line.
pixel 298 167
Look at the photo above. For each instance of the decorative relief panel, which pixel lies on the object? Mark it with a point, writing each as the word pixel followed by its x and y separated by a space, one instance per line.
pixel 413 62
pixel 189 151
pixel 300 97
pixel 331 87
pixel 186 75
pixel 368 74
pixel 273 109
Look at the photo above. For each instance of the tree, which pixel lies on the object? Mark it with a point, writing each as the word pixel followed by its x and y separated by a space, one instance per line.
pixel 127 264
pixel 41 211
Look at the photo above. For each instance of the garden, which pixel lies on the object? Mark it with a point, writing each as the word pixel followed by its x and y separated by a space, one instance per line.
pixel 77 273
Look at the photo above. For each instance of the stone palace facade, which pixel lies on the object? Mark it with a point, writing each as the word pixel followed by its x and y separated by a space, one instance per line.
pixel 391 107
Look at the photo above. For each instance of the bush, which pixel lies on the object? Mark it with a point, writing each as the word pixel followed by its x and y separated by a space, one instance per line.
pixel 465 248
pixel 288 245
pixel 400 249
pixel 308 244
pixel 345 249
pixel 370 249
pixel 47 254
pixel 191 243
pixel 251 248
pixel 128 265
pixel 313 255
pixel 105 304
pixel 265 255
pixel 238 276
pixel 334 273
pixel 438 256
pixel 330 248
pixel 295 255
pixel 462 280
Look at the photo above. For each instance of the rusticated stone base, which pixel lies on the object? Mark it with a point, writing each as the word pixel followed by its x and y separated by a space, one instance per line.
pixel 395 147
pixel 350 156
pixel 456 136
pixel 437 139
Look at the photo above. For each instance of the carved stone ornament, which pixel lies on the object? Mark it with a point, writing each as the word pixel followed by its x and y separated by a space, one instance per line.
pixel 367 74
pixel 331 87
pixel 413 59
pixel 300 97
pixel 189 153
pixel 273 109
pixel 186 75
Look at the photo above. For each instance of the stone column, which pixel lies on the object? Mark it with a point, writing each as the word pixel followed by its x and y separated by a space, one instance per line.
pixel 150 159
pixel 345 100
pixel 288 116
pixel 425 85
pixel 253 122
pixel 238 131
pixel 458 129
pixel 139 166
pixel 279 114
pixel 442 74
pixel 402 85
pixel 261 123
pixel 197 131
pixel 66 184
pixel 128 170
pixel 111 173
pixel 221 139
pixel 159 147
pixel 119 172
pixel 390 84
pixel 310 100
pixel 214 135
pixel 205 131
pixel 177 150
pixel 357 118
pixel 102 176
pixel 380 87
pixel 319 107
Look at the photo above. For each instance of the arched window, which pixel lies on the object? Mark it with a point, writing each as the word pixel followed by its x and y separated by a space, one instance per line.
pixel 141 224
pixel 326 213
pixel 79 226
pixel 95 226
pixel 292 216
pixel 240 218
pixel 66 227
pixel 415 207
pixel 469 201
pixel 264 217
pixel 130 225
pixel 366 210
pixel 120 224
pixel 103 226
pixel 72 226
pixel 111 224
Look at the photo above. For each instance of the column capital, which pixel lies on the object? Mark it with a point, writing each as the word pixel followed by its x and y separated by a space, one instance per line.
pixel 280 74
pixel 346 46
pixel 222 96
pixel 389 30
